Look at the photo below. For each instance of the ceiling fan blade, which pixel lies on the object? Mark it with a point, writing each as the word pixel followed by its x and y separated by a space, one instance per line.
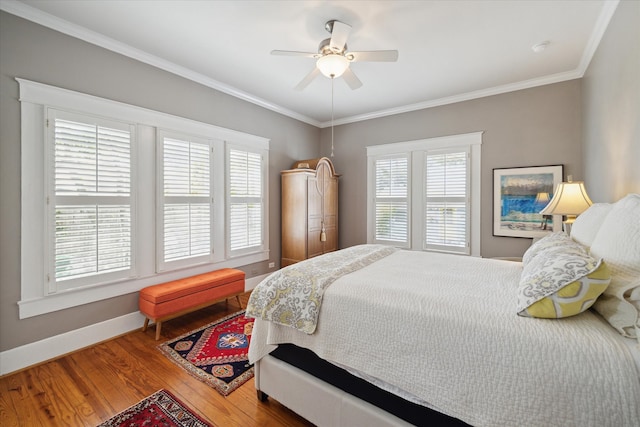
pixel 375 55
pixel 308 79
pixel 294 53
pixel 352 80
pixel 339 35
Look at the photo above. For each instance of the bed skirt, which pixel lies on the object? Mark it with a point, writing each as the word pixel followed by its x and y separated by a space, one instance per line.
pixel 327 395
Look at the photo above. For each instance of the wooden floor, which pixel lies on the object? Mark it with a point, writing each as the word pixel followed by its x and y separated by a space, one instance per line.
pixel 91 385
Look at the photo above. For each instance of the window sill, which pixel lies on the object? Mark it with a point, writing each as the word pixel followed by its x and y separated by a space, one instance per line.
pixel 76 297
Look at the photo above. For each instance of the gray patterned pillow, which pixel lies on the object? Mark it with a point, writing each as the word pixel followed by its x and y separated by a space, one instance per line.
pixel 560 241
pixel 560 281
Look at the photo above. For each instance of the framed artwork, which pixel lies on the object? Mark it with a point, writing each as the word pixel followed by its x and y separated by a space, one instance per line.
pixel 518 195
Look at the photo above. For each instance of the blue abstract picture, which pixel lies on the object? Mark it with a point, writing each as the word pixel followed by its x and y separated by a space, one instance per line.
pixel 522 193
pixel 519 208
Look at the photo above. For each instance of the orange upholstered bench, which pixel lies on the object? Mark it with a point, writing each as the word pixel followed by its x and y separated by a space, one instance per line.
pixel 172 299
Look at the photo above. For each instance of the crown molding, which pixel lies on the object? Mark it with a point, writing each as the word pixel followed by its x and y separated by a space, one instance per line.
pixel 608 9
pixel 497 90
pixel 47 20
pixel 35 15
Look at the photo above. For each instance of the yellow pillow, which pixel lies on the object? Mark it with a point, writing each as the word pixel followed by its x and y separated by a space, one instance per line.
pixel 572 299
pixel 560 280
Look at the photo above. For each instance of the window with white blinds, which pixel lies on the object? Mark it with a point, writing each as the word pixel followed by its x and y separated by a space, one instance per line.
pixel 446 201
pixel 424 194
pixel 115 197
pixel 246 171
pixel 392 200
pixel 91 204
pixel 186 203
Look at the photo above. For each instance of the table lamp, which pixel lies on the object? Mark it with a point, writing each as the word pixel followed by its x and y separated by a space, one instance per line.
pixel 570 199
pixel 542 200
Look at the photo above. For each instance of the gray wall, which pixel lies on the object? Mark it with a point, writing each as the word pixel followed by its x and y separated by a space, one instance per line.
pixel 36 53
pixel 532 127
pixel 546 125
pixel 611 111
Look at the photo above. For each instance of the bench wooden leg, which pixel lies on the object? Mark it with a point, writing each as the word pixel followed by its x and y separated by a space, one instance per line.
pixel 158 327
pixel 146 324
pixel 238 298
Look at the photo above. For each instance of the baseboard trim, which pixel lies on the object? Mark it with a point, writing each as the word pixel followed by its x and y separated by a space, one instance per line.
pixel 37 352
pixel 252 282
pixel 58 345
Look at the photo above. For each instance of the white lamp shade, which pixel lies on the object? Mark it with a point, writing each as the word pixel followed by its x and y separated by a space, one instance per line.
pixel 542 198
pixel 570 198
pixel 332 65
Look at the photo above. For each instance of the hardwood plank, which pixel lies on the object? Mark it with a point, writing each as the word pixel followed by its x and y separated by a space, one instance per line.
pixel 91 407
pixel 14 396
pixel 91 385
pixel 100 367
pixel 65 402
pixel 38 413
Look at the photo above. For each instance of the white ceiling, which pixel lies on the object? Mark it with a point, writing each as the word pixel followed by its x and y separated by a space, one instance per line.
pixel 448 50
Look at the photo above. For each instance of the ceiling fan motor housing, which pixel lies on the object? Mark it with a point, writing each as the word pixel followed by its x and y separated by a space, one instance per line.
pixel 324 48
pixel 329 25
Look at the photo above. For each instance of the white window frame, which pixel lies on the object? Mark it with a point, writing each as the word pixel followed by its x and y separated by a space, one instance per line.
pixel 373 161
pixel 162 264
pixel 264 156
pixel 35 98
pixel 416 151
pixel 466 250
pixel 53 285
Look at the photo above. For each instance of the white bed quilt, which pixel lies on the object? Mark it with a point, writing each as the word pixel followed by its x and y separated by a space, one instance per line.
pixel 443 328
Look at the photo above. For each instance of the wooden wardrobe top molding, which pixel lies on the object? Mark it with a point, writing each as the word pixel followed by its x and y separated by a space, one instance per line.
pixel 311 165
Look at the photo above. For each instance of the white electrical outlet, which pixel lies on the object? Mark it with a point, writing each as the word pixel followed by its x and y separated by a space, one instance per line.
pixel 272 264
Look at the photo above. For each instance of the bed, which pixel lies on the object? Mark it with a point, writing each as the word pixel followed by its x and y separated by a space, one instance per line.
pixel 376 336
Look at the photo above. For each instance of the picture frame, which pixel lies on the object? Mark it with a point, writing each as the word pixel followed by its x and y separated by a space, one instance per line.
pixel 519 194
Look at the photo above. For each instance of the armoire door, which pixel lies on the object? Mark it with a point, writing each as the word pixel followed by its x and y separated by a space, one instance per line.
pixel 322 211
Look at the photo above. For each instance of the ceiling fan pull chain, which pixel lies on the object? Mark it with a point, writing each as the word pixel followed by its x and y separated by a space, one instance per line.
pixel 332 79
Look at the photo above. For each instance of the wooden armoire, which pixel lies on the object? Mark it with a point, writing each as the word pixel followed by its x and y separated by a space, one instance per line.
pixel 309 210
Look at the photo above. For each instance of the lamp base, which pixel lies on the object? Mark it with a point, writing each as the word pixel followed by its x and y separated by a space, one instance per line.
pixel 545 221
pixel 568 223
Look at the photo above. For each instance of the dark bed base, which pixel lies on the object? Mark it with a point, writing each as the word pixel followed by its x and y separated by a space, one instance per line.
pixel 413 413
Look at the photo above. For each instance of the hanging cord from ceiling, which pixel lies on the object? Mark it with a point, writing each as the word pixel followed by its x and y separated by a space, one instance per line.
pixel 332 79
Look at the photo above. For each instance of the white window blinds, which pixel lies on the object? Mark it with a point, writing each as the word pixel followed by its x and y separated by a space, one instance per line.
pixel 92 205
pixel 446 201
pixel 92 185
pixel 246 188
pixel 425 194
pixel 391 199
pixel 186 199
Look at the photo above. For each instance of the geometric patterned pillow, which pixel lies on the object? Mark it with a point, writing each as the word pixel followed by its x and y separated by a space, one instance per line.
pixel 573 299
pixel 558 240
pixel 556 284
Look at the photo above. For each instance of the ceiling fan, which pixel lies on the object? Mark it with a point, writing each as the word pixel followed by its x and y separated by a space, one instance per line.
pixel 333 58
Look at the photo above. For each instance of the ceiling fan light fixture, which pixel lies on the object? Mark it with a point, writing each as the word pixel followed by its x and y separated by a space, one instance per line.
pixel 332 65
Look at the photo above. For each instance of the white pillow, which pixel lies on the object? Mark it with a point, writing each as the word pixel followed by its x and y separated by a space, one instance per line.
pixel 618 242
pixel 586 226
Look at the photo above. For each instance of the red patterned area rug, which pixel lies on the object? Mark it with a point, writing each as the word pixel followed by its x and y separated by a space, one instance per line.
pixel 216 354
pixel 160 409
